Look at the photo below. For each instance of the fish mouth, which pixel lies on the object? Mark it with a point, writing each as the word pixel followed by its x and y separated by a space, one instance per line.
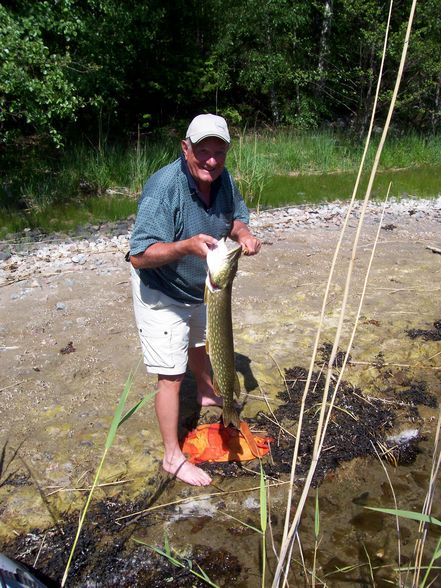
pixel 222 265
pixel 211 284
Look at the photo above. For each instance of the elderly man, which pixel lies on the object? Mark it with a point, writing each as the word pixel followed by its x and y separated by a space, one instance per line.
pixel 184 209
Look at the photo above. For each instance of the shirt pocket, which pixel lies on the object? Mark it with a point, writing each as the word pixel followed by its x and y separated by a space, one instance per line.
pixel 224 223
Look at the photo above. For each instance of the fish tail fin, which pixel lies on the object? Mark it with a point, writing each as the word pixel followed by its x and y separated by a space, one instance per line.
pixel 230 417
pixel 236 385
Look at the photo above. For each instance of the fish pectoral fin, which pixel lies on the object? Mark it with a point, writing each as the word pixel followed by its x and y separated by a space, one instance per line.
pixel 207 347
pixel 216 388
pixel 206 294
pixel 236 386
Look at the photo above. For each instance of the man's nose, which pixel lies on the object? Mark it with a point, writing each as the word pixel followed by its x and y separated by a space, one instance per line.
pixel 212 160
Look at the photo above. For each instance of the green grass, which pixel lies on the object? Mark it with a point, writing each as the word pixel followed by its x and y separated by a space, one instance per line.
pixel 58 191
pixel 286 152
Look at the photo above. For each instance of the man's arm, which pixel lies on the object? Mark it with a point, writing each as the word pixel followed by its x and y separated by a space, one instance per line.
pixel 163 253
pixel 242 234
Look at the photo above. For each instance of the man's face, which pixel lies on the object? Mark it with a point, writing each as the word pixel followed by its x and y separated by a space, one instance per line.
pixel 206 159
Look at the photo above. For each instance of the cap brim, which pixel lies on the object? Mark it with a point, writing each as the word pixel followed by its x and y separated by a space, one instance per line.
pixel 197 138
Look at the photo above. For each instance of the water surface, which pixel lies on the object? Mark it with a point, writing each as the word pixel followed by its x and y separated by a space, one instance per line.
pixel 421 182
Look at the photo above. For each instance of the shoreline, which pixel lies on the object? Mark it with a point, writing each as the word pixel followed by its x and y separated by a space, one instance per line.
pixel 37 255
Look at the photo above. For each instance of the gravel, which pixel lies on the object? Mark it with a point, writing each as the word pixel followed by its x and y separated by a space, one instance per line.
pixel 33 253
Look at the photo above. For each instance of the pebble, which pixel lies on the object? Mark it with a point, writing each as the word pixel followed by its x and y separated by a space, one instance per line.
pixel 33 253
pixel 81 259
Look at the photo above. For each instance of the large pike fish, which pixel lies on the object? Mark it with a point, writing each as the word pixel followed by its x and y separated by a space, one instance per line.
pixel 222 267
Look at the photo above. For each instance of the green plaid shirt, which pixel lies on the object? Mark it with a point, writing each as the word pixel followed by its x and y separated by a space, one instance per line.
pixel 170 210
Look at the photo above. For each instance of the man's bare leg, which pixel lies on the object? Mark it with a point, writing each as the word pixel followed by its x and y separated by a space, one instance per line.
pixel 199 363
pixel 167 412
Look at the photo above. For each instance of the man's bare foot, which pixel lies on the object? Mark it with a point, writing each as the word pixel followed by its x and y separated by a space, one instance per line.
pixel 209 398
pixel 187 472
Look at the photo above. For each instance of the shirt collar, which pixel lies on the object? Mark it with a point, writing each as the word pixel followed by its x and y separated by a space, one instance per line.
pixel 191 182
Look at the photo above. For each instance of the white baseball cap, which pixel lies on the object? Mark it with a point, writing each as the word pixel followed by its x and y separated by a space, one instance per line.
pixel 208 125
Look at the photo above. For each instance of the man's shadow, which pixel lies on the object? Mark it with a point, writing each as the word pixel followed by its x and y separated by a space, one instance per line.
pixel 190 410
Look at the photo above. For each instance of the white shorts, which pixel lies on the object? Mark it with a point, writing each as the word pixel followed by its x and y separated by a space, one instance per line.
pixel 167 328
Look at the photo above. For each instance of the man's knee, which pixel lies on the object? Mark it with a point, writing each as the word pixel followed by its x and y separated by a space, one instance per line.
pixel 170 384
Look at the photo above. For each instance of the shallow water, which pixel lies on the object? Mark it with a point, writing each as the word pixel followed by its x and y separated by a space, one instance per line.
pixel 419 182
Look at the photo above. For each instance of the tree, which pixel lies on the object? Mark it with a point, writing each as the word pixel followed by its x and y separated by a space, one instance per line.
pixel 69 60
pixel 261 57
pixel 35 89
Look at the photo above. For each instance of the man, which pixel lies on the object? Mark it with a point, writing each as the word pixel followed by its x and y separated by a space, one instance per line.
pixel 184 209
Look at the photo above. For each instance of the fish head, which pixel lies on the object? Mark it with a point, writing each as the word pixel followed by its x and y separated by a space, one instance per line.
pixel 222 265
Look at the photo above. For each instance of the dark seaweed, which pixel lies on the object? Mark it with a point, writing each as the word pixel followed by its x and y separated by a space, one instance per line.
pixel 418 395
pixel 427 334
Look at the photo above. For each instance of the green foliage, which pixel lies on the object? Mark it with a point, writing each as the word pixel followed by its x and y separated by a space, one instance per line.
pixel 96 68
pixel 261 54
pixel 35 89
pixel 64 61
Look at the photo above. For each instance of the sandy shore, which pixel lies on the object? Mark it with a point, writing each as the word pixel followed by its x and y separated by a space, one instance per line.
pixel 68 342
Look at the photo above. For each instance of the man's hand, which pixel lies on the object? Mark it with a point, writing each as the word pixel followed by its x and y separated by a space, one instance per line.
pixel 250 245
pixel 163 253
pixel 241 234
pixel 200 245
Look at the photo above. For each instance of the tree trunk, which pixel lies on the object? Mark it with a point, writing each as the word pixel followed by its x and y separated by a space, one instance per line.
pixel 324 46
pixel 437 106
pixel 365 102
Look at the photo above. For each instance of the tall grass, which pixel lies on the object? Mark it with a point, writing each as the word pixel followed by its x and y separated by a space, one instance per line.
pixel 287 152
pixel 87 184
pixel 81 185
pixel 250 169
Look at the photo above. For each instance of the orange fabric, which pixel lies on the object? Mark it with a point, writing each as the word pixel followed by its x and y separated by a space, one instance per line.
pixel 218 443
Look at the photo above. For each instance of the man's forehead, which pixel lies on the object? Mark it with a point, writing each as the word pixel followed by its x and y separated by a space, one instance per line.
pixel 211 143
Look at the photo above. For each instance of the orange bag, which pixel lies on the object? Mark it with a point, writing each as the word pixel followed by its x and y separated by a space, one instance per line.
pixel 218 443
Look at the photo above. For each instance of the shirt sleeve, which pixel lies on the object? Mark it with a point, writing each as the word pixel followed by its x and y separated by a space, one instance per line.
pixel 241 211
pixel 153 224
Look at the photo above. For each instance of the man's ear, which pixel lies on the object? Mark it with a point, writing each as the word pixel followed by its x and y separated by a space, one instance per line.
pixel 185 147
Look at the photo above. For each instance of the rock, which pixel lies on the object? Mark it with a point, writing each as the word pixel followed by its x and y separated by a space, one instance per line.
pixel 80 258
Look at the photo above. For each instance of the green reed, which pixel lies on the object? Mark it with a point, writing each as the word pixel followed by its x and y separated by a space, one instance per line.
pixel 185 562
pixel 84 184
pixel 179 561
pixel 118 419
